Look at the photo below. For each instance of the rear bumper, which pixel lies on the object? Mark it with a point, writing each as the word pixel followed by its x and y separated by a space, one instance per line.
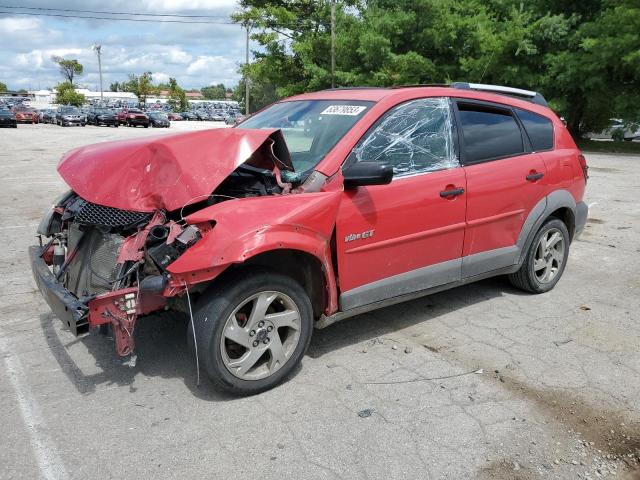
pixel 582 212
pixel 66 306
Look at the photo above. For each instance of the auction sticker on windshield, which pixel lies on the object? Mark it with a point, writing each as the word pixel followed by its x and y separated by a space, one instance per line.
pixel 352 110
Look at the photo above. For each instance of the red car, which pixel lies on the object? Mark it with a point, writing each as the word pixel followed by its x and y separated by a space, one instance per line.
pixel 315 209
pixel 132 117
pixel 175 117
pixel 26 114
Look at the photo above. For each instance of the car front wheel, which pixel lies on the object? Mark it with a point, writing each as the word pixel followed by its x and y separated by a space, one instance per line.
pixel 253 331
pixel 545 260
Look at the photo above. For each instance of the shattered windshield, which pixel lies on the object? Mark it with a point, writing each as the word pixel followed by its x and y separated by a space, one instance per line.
pixel 414 137
pixel 310 127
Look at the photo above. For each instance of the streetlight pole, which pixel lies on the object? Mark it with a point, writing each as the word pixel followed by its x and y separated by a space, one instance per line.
pixel 246 75
pixel 333 43
pixel 97 47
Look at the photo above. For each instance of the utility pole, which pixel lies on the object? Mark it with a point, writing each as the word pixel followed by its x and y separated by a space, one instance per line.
pixel 97 47
pixel 333 43
pixel 246 75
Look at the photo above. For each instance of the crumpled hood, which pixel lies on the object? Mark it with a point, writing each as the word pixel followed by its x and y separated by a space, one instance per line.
pixel 164 172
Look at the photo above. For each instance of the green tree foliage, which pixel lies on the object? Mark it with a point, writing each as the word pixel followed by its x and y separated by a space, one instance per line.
pixel 583 55
pixel 117 87
pixel 66 95
pixel 3 87
pixel 69 68
pixel 142 86
pixel 177 97
pixel 214 92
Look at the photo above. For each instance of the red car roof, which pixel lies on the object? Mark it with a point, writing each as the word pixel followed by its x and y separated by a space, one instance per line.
pixel 376 94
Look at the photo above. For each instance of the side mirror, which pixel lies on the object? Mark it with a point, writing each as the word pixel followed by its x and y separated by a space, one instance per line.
pixel 361 174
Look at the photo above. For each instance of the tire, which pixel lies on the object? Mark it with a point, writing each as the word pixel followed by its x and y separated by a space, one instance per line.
pixel 227 309
pixel 146 125
pixel 543 267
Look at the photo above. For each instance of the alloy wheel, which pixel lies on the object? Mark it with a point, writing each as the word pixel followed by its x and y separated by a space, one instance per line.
pixel 549 256
pixel 260 335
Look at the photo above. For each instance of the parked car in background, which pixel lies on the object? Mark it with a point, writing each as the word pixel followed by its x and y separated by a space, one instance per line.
pixel 317 208
pixel 189 116
pixel 7 118
pixel 102 116
pixel 234 118
pixel 132 117
pixel 25 114
pixel 68 116
pixel 159 120
pixel 617 130
pixel 48 116
pixel 202 115
pixel 217 116
pixel 175 117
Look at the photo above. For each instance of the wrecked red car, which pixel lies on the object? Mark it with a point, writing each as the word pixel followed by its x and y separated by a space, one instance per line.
pixel 315 209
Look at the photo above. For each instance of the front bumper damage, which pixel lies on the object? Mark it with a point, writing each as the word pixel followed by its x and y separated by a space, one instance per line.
pixel 119 308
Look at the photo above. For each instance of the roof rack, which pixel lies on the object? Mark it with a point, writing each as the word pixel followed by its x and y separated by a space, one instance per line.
pixel 532 96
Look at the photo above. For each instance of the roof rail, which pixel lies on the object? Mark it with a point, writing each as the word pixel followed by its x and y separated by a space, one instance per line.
pixel 532 96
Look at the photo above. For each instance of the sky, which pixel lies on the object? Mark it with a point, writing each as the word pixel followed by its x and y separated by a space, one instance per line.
pixel 197 55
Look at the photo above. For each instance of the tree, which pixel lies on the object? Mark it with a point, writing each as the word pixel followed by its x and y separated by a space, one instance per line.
pixel 177 97
pixel 117 87
pixel 69 68
pixel 214 92
pixel 583 55
pixel 3 87
pixel 141 86
pixel 66 95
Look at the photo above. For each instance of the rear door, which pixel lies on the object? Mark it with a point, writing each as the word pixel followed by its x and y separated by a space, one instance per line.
pixel 505 180
pixel 406 236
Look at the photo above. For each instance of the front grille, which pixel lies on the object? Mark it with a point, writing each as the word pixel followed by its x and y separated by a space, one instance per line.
pixel 92 214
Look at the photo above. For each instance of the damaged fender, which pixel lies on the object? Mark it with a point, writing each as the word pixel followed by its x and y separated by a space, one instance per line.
pixel 250 226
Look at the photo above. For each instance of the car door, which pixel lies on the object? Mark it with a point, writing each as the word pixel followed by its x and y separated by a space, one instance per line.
pixel 505 181
pixel 406 236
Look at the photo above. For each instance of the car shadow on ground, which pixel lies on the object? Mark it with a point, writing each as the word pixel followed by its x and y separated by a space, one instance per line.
pixel 162 348
pixel 385 321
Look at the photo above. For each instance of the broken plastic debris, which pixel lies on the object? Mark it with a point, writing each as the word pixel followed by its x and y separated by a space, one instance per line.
pixel 414 137
pixel 367 412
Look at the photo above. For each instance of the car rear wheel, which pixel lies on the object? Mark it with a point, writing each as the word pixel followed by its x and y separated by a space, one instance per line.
pixel 545 260
pixel 253 331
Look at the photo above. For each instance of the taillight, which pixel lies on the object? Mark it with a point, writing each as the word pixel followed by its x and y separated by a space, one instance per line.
pixel 584 166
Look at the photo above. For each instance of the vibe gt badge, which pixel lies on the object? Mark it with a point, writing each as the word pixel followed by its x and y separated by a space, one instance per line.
pixel 357 236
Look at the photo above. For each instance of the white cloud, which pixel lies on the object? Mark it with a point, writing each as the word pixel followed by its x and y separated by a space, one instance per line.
pixel 196 55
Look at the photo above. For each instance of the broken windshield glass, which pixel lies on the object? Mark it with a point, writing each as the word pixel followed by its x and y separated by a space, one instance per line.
pixel 414 137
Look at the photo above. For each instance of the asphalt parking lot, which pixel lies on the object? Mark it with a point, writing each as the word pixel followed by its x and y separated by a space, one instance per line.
pixel 482 381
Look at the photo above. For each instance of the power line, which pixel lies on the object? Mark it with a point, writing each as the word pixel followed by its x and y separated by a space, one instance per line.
pixel 102 12
pixel 117 19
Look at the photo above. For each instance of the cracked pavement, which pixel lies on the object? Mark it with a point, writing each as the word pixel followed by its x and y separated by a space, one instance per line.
pixel 482 381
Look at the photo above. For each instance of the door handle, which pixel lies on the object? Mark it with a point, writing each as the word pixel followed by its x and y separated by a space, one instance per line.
pixel 533 177
pixel 452 193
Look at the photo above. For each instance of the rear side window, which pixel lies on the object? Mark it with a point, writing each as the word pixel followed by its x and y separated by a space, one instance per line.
pixel 539 129
pixel 489 133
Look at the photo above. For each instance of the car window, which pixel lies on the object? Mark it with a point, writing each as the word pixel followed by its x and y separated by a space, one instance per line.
pixel 489 133
pixel 538 128
pixel 414 137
